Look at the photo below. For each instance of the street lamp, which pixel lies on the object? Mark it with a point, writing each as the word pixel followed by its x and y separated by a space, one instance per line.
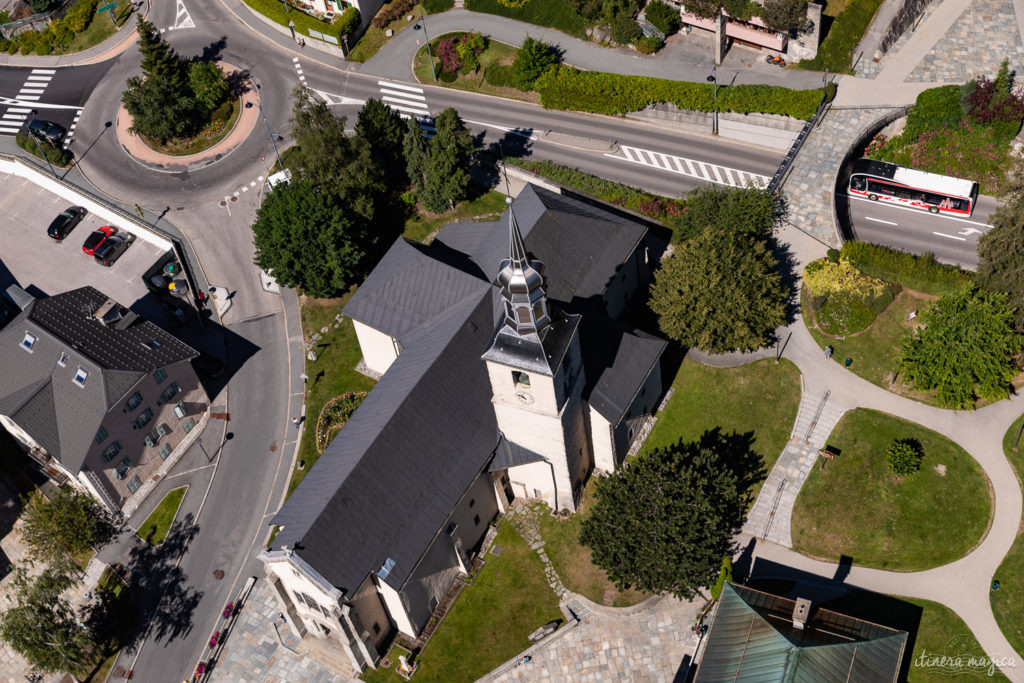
pixel 36 140
pixel 259 103
pixel 713 78
pixel 422 24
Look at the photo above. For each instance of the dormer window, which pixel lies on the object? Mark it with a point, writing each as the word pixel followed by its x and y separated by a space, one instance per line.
pixel 28 342
pixel 133 402
pixel 520 378
pixel 63 360
pixel 80 376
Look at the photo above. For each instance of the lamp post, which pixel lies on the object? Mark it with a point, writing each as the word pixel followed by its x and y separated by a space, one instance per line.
pixel 259 103
pixel 713 78
pixel 422 24
pixel 36 140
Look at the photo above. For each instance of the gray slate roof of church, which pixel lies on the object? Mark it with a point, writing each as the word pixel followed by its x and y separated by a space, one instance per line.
pixel 633 354
pixel 39 394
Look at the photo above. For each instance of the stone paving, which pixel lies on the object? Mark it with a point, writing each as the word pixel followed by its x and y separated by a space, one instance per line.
pixel 984 35
pixel 868 68
pixel 526 520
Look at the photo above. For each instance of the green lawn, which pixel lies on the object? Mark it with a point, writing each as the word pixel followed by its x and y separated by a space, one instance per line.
pixel 156 526
pixel 942 632
pixel 926 520
pixel 496 53
pixel 1008 601
pixel 875 351
pixel 482 205
pixel 572 560
pixel 490 621
pixel 558 14
pixel 375 38
pixel 331 374
pixel 844 32
pixel 111 635
pixel 759 397
pixel 99 29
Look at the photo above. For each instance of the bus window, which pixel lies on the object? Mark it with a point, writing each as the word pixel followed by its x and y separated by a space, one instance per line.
pixel 858 182
pixel 880 188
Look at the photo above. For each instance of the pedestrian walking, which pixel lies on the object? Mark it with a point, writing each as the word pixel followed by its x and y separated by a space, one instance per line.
pixel 828 351
pixel 295 421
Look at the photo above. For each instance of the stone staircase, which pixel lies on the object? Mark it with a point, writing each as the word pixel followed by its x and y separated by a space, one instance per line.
pixel 770 516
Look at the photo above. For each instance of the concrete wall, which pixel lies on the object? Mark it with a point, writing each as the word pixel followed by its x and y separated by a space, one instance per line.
pixel 396 608
pixel 766 130
pixel 604 446
pixel 379 350
pixel 806 43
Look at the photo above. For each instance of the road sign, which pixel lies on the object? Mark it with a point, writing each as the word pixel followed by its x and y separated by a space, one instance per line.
pixel 104 8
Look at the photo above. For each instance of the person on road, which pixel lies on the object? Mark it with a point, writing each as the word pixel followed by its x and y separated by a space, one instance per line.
pixel 295 421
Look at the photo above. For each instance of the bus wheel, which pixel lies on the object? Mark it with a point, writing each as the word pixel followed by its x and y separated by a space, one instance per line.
pixel 933 209
pixel 873 197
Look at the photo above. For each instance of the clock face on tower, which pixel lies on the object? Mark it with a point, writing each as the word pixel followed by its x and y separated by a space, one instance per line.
pixel 524 397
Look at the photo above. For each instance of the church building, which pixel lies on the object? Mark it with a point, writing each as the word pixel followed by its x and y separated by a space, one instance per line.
pixel 506 371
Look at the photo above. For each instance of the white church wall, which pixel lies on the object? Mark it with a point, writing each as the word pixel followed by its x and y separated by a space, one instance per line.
pixel 295 582
pixel 396 610
pixel 535 481
pixel 541 390
pixel 541 434
pixel 601 437
pixel 378 349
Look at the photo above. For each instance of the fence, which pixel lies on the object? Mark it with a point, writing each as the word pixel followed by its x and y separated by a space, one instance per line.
pixel 782 171
pixel 36 22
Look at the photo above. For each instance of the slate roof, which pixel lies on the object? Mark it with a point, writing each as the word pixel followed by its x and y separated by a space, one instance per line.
pixel 510 454
pixel 752 639
pixel 40 396
pixel 618 362
pixel 533 353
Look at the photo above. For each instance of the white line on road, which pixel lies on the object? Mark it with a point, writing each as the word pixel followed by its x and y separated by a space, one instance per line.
pixel 15 117
pixel 44 79
pixel 514 131
pixel 410 88
pixel 28 97
pixel 879 220
pixel 402 93
pixel 44 71
pixel 410 103
pixel 907 208
pixel 31 91
pixel 5 129
pixel 723 175
pixel 19 110
pixel 952 237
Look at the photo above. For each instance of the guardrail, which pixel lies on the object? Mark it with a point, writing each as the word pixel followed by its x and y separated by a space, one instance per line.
pixel 782 172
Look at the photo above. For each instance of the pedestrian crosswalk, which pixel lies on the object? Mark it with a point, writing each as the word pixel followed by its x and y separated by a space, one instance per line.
pixel 720 175
pixel 71 131
pixel 408 101
pixel 20 106
pixel 182 19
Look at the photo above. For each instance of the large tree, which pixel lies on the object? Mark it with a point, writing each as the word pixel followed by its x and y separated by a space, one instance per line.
pixel 449 157
pixel 786 16
pixel 729 209
pixel 1001 248
pixel 965 350
pixel 41 625
pixel 720 292
pixel 384 131
pixel 663 523
pixel 533 58
pixel 308 241
pixel 67 526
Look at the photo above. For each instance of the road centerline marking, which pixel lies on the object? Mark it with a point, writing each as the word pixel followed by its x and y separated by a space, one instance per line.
pixel 879 220
pixel 952 237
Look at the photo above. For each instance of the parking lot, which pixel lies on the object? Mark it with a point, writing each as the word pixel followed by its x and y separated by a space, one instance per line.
pixel 40 264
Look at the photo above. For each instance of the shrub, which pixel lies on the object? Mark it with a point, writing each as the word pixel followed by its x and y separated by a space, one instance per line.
pixel 836 51
pixel 625 30
pixel 347 23
pixel 934 108
pixel 725 574
pixel 222 112
pixel 447 55
pixel 392 11
pixel 500 76
pixel 436 6
pixel 843 313
pixel 920 273
pixel 514 4
pixel 533 59
pixel 824 278
pixel 58 156
pixel 662 17
pixel 80 15
pixel 333 417
pixel 447 76
pixel 648 45
pixel 606 93
pixel 741 9
pixel 904 456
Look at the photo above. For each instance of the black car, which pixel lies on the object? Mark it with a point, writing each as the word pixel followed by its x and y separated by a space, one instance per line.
pixel 47 131
pixel 65 222
pixel 111 249
pixel 208 366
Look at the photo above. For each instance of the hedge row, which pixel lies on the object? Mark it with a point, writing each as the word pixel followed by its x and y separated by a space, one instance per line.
pixel 276 12
pixel 58 156
pixel 920 273
pixel 836 51
pixel 606 93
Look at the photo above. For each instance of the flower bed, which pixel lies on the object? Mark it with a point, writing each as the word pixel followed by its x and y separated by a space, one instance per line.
pixel 334 415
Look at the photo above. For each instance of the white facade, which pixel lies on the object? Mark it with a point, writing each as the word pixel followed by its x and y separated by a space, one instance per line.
pixel 379 350
pixel 603 438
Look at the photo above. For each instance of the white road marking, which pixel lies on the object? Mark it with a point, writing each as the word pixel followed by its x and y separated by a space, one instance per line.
pixel 19 110
pixel 417 112
pixel 410 88
pixel 295 59
pixel 514 131
pixel 907 208
pixel 182 18
pixel 721 175
pixel 5 129
pixel 952 237
pixel 30 91
pixel 44 71
pixel 332 99
pixel 28 97
pixel 879 220
pixel 44 79
pixel 408 103
pixel 402 93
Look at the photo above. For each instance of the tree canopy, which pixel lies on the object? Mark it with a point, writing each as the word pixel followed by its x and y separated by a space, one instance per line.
pixel 663 523
pixel 720 292
pixel 67 526
pixel 308 241
pixel 729 209
pixel 384 131
pixel 965 349
pixel 449 157
pixel 786 16
pixel 1001 248
pixel 533 58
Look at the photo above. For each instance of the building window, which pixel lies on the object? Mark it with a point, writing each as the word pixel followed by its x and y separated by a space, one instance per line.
pixel 160 375
pixel 134 484
pixel 122 468
pixel 170 392
pixel 179 410
pixel 133 402
pixel 63 360
pixel 111 451
pixel 143 419
pixel 472 502
pixel 520 378
pixel 376 629
pixel 476 519
pixel 161 429
pixel 101 435
pixel 165 451
pixel 189 425
pixel 80 376
pixel 29 341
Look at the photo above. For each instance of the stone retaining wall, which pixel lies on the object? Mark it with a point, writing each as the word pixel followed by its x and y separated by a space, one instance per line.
pixel 767 130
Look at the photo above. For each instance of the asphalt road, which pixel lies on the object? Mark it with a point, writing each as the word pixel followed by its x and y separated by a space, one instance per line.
pixel 58 94
pixel 951 238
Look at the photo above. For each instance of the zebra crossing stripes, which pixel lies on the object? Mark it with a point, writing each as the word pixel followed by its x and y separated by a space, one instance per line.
pixel 71 130
pixel 298 69
pixel 407 99
pixel 31 91
pixel 720 175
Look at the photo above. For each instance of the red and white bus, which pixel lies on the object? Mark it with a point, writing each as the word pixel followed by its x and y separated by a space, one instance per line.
pixel 880 180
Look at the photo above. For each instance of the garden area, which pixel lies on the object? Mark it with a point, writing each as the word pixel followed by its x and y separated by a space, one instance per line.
pixel 80 29
pixel 922 501
pixel 469 61
pixel 284 13
pixel 1008 601
pixel 508 600
pixel 962 131
pixel 154 529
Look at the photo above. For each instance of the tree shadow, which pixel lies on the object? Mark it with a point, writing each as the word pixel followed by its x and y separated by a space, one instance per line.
pixel 212 52
pixel 736 453
pixel 788 270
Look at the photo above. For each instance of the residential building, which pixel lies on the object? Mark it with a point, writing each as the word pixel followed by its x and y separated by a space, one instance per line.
pixel 99 397
pixel 505 372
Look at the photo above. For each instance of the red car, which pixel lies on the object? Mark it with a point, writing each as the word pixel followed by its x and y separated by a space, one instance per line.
pixel 96 238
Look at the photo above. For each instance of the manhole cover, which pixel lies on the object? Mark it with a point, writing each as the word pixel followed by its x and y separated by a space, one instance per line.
pixel 223 203
pixel 218 574
pixel 273 447
pixel 234 199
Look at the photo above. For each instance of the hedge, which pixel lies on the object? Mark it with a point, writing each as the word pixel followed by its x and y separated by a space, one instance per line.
pixel 606 93
pixel 58 156
pixel 836 51
pixel 920 273
pixel 276 12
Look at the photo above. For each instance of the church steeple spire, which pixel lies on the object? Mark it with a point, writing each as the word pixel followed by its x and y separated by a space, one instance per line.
pixel 522 285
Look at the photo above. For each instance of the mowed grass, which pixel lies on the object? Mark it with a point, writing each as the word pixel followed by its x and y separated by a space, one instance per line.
pixel 558 14
pixel 155 528
pixel 375 38
pixel 99 29
pixel 856 507
pixel 491 619
pixel 761 397
pixel 1008 601
pixel 942 632
pixel 573 561
pixel 483 205
pixel 474 81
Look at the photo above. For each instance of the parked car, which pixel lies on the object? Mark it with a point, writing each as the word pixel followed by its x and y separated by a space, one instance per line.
pixel 96 238
pixel 47 131
pixel 207 365
pixel 65 222
pixel 111 249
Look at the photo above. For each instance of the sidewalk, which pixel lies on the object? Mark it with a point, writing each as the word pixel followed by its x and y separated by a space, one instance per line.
pixel 111 47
